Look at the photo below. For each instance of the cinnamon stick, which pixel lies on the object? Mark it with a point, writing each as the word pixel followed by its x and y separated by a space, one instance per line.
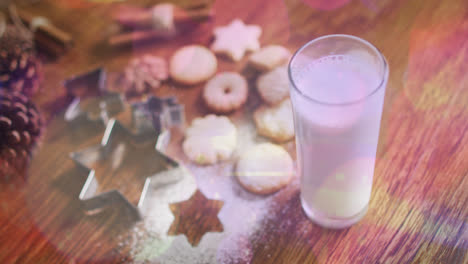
pixel 137 36
pixel 194 15
pixel 129 16
pixel 48 36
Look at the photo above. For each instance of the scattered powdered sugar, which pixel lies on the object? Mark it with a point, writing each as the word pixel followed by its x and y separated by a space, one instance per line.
pixel 148 239
pixel 235 248
pixel 182 252
pixel 241 215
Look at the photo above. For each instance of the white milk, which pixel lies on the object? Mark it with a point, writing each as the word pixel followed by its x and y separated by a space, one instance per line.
pixel 337 134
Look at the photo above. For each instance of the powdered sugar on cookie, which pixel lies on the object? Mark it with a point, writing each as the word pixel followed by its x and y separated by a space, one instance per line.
pixel 210 139
pixel 276 122
pixel 264 168
pixel 226 92
pixel 235 39
pixel 269 57
pixel 273 86
pixel 193 64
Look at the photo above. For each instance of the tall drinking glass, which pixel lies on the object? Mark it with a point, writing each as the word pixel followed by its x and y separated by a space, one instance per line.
pixel 337 92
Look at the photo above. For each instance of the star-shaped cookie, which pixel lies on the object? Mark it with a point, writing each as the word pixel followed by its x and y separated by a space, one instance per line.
pixel 235 39
pixel 195 217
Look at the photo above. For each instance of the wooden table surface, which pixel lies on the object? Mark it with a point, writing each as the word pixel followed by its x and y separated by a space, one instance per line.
pixel 419 206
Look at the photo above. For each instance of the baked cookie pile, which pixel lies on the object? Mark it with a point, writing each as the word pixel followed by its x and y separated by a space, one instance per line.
pixel 263 168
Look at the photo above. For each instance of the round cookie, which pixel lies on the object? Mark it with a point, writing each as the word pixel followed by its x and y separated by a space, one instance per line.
pixel 192 64
pixel 210 139
pixel 226 92
pixel 264 168
pixel 269 57
pixel 273 86
pixel 275 122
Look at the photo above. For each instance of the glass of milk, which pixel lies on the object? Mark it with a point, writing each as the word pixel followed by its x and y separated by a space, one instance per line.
pixel 337 92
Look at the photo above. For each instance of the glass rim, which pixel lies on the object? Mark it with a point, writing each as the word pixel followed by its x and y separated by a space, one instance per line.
pixel 362 41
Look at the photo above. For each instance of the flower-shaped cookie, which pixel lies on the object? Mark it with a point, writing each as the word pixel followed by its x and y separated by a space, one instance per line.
pixel 145 74
pixel 210 139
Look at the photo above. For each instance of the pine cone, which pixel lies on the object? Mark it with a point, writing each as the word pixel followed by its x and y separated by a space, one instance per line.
pixel 19 67
pixel 20 128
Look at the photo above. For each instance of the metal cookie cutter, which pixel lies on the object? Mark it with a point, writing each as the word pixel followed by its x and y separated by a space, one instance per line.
pixel 95 109
pixel 99 108
pixel 88 83
pixel 126 152
pixel 159 115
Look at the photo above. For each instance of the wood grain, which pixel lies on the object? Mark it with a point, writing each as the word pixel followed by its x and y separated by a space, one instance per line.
pixel 419 205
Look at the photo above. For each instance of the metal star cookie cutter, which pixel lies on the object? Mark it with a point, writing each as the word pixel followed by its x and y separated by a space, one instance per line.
pixel 99 108
pixel 81 84
pixel 95 109
pixel 158 169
